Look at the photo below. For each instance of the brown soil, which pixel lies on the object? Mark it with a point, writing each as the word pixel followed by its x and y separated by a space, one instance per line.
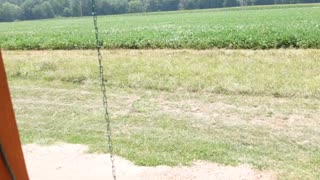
pixel 70 162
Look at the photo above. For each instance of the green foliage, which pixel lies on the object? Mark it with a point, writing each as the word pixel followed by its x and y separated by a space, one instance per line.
pixel 154 5
pixel 230 3
pixel 43 10
pixel 67 12
pixel 9 12
pixel 40 9
pixel 136 6
pixel 294 26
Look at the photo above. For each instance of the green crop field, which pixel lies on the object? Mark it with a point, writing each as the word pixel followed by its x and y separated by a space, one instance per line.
pixel 289 26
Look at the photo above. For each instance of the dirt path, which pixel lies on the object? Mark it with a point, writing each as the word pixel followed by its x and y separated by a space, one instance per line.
pixel 69 162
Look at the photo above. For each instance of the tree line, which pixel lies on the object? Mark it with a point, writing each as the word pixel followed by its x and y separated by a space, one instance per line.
pixel 12 10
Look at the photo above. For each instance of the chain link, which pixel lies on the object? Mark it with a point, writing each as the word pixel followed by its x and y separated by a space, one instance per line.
pixel 103 88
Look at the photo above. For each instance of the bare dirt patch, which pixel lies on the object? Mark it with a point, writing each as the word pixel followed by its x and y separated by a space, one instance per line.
pixel 67 162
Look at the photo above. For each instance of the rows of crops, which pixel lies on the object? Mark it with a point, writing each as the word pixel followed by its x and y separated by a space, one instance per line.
pixel 295 26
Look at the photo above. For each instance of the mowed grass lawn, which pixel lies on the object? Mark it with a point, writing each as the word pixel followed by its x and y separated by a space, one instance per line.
pixel 175 106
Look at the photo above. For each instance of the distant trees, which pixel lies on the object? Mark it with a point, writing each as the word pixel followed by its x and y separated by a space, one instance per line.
pixel 43 10
pixel 230 3
pixel 11 10
pixel 136 6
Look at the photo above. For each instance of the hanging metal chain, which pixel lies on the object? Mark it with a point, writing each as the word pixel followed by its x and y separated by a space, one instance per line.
pixel 103 88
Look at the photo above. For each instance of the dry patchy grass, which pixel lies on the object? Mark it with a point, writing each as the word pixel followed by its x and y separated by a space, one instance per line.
pixel 170 119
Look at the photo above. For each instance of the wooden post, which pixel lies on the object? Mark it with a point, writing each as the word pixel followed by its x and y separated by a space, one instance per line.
pixel 11 156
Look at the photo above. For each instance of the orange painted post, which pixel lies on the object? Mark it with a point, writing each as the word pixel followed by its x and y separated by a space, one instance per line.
pixel 11 156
